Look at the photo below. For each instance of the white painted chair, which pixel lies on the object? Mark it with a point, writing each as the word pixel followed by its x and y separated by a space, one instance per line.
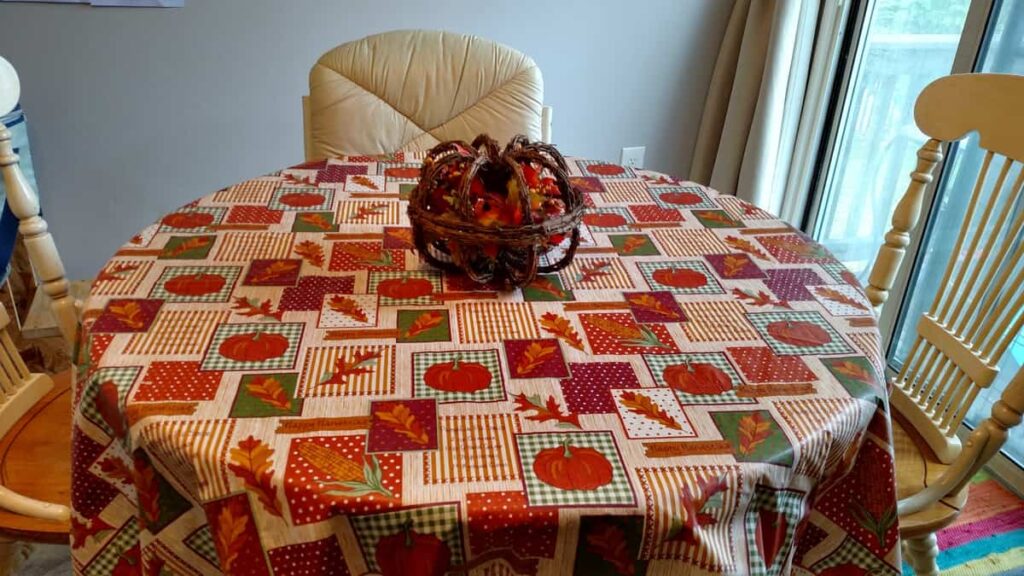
pixel 35 409
pixel 411 89
pixel 974 317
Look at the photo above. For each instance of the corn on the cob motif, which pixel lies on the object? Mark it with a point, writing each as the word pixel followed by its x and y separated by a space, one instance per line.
pixel 349 478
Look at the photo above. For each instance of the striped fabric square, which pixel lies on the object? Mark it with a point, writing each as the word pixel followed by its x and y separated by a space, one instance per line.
pixel 821 439
pixel 246 246
pixel 869 345
pixel 626 192
pixel 120 278
pixel 713 550
pixel 178 333
pixel 362 371
pixel 250 192
pixel 682 243
pixel 193 450
pixel 595 274
pixel 380 212
pixel 485 322
pixel 473 448
pixel 718 322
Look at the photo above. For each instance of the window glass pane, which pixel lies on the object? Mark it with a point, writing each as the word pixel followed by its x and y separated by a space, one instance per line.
pixel 1004 53
pixel 908 44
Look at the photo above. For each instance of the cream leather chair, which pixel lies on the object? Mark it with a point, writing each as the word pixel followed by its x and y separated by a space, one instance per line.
pixel 411 89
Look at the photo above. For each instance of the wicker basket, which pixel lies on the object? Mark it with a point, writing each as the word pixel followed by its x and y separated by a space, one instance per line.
pixel 455 181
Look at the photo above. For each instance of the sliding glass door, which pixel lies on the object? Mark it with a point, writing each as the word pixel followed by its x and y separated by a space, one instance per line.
pixel 895 48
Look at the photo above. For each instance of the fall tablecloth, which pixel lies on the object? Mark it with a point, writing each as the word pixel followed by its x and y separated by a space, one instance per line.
pixel 270 382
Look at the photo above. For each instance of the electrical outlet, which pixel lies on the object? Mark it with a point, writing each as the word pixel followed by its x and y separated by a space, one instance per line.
pixel 633 156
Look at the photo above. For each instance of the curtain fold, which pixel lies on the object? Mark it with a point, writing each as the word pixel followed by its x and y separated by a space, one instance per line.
pixel 752 114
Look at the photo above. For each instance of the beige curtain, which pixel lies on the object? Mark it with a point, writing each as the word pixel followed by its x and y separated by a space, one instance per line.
pixel 752 114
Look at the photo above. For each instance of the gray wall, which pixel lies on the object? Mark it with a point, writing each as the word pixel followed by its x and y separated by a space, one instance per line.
pixel 133 112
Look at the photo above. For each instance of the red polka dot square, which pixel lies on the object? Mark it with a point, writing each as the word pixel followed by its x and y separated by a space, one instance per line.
pixel 655 213
pixel 317 557
pixel 176 380
pixel 588 390
pixel 253 215
pixel 502 520
pixel 760 365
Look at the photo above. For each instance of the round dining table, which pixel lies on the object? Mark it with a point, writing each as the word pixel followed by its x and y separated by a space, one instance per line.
pixel 270 381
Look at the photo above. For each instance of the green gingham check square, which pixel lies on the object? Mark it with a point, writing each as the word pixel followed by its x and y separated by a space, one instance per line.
pixel 441 521
pixel 421 361
pixel 218 217
pixel 658 362
pixel 291 331
pixel 378 277
pixel 850 552
pixel 201 542
pixel 834 269
pixel 648 269
pixel 326 193
pixel 611 210
pixel 761 320
pixel 705 204
pixel 103 564
pixel 229 273
pixel 617 493
pixel 122 377
pixel 790 504
pixel 627 172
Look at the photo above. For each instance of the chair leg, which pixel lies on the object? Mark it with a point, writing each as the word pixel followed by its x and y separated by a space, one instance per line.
pixel 921 552
pixel 12 555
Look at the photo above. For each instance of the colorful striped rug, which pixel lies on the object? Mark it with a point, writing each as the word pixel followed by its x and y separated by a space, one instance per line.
pixel 988 538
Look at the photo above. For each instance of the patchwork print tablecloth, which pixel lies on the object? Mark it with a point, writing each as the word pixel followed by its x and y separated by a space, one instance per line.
pixel 270 382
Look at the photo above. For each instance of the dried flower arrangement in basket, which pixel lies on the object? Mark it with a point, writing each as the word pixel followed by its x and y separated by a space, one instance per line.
pixel 496 214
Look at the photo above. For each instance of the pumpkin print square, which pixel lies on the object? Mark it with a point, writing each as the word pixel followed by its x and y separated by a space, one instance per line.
pixel 654 307
pixel 651 413
pixel 187 248
pixel 305 198
pixel 106 389
pixel 328 475
pixel 253 346
pixel 348 311
pixel 424 326
pixel 618 333
pixel 633 245
pixel 405 287
pixel 682 197
pixel 458 376
pixel 398 238
pixel 717 219
pixel 698 378
pixel 608 219
pixel 655 213
pixel 798 333
pixel 604 170
pixel 352 256
pixel 411 540
pixel 546 288
pixel 588 391
pixel 273 272
pixel 535 359
pixel 399 171
pixel 196 283
pixel 314 222
pixel 402 425
pixel 266 395
pixel 755 436
pixel 191 220
pixel 573 469
pixel 734 266
pixel 127 315
pixel 771 521
pixel 680 277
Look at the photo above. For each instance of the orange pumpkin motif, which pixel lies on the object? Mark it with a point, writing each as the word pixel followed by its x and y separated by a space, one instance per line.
pixel 253 346
pixel 679 277
pixel 187 220
pixel 195 284
pixel 410 553
pixel 405 288
pixel 301 199
pixel 403 172
pixel 697 378
pixel 569 467
pixel 458 376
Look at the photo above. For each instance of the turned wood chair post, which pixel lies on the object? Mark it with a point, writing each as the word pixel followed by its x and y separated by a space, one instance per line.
pixel 42 251
pixel 904 220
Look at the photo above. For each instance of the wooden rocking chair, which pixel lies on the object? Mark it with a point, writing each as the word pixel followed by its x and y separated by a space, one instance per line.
pixel 35 409
pixel 974 317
